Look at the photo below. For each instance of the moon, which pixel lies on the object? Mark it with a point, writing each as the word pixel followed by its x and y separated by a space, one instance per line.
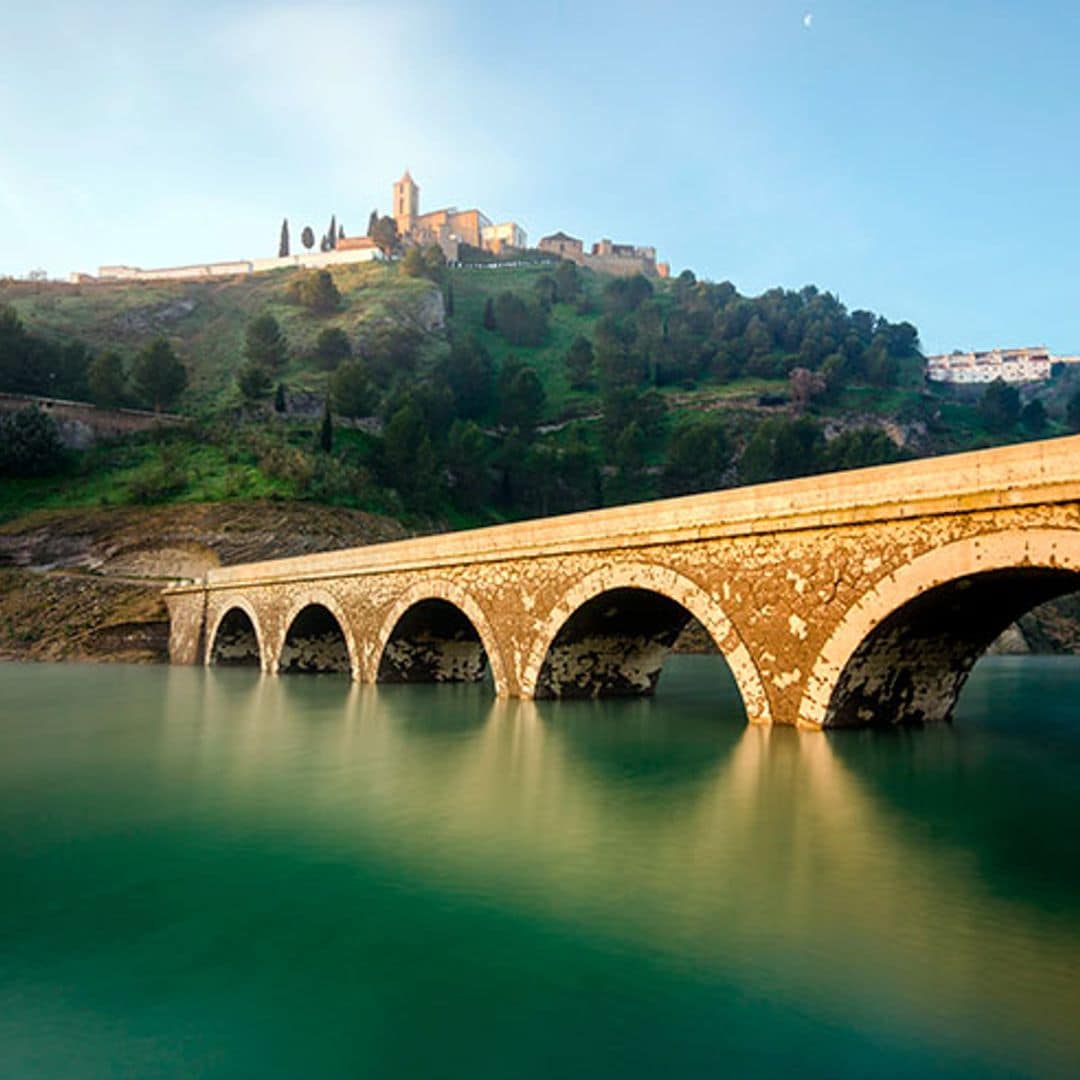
pixel 808 20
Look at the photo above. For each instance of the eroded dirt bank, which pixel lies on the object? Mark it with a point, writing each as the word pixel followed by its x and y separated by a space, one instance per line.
pixel 86 584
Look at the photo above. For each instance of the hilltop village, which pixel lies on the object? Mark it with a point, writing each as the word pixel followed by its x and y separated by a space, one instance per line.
pixel 461 235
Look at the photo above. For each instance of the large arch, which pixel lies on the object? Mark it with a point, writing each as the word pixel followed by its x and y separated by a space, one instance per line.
pixel 672 587
pixel 441 591
pixel 903 651
pixel 218 648
pixel 317 649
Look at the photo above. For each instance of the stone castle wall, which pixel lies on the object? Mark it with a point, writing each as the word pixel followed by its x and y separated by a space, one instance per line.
pixel 81 424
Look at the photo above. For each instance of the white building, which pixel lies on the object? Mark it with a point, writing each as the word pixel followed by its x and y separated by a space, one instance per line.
pixel 1009 365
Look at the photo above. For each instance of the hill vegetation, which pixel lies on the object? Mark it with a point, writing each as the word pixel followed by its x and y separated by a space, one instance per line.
pixel 457 396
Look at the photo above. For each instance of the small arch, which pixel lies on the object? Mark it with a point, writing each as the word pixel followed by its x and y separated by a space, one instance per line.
pixel 236 638
pixel 904 650
pixel 436 632
pixel 315 641
pixel 612 631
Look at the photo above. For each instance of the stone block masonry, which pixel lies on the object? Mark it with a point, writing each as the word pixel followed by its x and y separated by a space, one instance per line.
pixel 862 597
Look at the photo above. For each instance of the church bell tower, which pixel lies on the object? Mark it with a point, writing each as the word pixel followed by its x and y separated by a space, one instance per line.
pixel 406 204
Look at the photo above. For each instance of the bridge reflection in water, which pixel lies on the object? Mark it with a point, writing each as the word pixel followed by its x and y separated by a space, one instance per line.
pixel 805 867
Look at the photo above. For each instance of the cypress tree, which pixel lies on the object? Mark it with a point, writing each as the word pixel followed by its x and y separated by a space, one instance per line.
pixel 283 243
pixel 326 430
pixel 489 315
pixel 279 398
pixel 372 222
pixel 331 233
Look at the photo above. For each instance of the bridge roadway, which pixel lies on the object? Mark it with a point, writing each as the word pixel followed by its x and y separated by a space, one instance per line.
pixel 862 597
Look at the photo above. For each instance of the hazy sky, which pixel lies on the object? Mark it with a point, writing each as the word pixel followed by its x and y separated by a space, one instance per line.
pixel 918 158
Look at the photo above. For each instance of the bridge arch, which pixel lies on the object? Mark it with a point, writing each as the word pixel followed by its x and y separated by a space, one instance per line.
pixel 904 650
pixel 443 608
pixel 229 635
pixel 671 586
pixel 313 625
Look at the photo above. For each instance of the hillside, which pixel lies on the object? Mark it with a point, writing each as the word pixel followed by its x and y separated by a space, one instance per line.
pixel 474 395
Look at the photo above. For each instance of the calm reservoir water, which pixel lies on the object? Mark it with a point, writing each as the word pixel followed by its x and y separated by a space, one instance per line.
pixel 214 874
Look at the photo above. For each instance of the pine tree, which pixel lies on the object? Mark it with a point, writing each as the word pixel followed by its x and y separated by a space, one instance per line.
pixel 283 243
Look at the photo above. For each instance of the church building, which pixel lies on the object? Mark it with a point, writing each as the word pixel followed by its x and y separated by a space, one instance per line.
pixel 450 227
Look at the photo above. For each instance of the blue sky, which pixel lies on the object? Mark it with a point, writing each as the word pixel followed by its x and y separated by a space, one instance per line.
pixel 919 159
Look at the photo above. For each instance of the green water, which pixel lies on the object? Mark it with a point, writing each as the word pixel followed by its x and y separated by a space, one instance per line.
pixel 214 874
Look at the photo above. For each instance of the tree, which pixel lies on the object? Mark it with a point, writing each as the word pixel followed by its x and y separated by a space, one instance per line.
pixel 385 234
pixel 158 376
pixel 351 390
pixel 521 398
pixel 697 458
pixel 1033 416
pixel 283 243
pixel 280 404
pixel 307 237
pixel 466 458
pixel 448 301
pixel 781 448
pixel 1072 412
pixel 999 406
pixel 412 466
pixel 331 233
pixel 373 221
pixel 805 386
pixel 29 444
pixel 624 295
pixel 332 347
pixel 264 343
pixel 412 262
pixel 326 430
pixel 567 282
pixel 546 291
pixel 254 381
pixel 520 323
pixel 107 380
pixel 579 363
pixel 341 232
pixel 470 374
pixel 489 314
pixel 860 448
pixel 315 290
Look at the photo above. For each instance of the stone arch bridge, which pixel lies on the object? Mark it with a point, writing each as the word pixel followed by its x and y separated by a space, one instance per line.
pixel 855 598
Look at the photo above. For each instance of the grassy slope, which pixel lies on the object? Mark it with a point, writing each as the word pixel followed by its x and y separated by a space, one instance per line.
pixel 210 339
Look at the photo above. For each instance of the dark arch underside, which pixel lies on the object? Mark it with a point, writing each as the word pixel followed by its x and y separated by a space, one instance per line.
pixel 911 668
pixel 315 642
pixel 434 641
pixel 235 643
pixel 614 645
